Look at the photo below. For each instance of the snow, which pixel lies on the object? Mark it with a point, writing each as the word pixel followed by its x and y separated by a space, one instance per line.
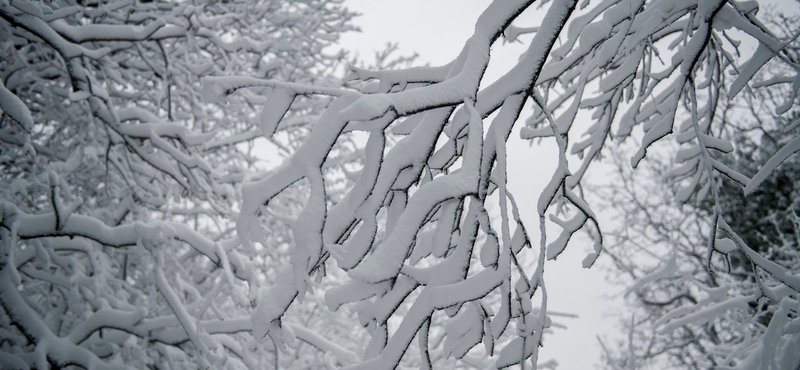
pixel 11 362
pixel 774 269
pixel 464 331
pixel 773 163
pixel 622 73
pixel 668 268
pixel 278 102
pixel 11 105
pixel 343 356
pixel 701 316
pixel 593 34
pixel 177 306
pixel 105 318
pixel 96 32
pixel 513 352
pixel 386 260
pixel 693 49
pixel 658 131
pixel 611 46
pixel 272 304
pixel 570 227
pixel 28 7
pixel 761 56
pixel 352 291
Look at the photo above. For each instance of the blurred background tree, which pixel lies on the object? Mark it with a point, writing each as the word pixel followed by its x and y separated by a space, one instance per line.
pixel 692 311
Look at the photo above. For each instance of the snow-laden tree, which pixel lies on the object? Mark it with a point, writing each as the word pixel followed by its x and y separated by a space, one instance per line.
pixel 413 232
pixel 409 246
pixel 685 314
pixel 689 311
pixel 119 184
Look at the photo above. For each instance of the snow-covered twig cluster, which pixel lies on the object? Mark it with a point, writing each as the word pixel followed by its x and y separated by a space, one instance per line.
pixel 119 182
pixel 720 285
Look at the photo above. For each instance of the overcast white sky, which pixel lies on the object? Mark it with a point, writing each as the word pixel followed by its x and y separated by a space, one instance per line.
pixel 437 30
